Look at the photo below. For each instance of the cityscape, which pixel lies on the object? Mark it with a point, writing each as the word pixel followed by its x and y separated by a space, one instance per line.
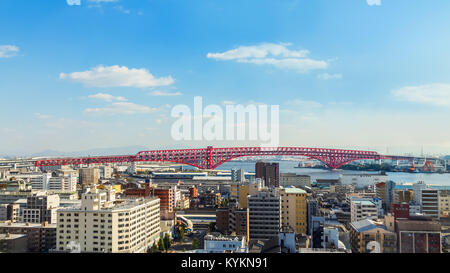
pixel 220 128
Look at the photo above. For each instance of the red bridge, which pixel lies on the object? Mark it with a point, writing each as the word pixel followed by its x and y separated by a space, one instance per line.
pixel 211 158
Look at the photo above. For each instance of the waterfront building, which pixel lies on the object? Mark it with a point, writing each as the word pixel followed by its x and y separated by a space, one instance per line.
pixel 295 180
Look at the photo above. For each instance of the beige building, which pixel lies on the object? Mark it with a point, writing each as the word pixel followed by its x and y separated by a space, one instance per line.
pixel 296 180
pixel 89 176
pixel 106 225
pixel 444 202
pixel 293 209
pixel 241 191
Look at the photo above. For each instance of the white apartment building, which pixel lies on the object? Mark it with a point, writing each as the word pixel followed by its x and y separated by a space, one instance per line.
pixel 362 208
pixel 264 214
pixel 105 225
pixel 55 181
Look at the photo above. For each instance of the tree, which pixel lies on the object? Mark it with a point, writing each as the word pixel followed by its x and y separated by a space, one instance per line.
pixel 195 243
pixel 154 248
pixel 181 234
pixel 167 241
pixel 212 227
pixel 161 244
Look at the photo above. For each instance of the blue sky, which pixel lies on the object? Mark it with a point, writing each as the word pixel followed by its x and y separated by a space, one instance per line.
pixel 346 74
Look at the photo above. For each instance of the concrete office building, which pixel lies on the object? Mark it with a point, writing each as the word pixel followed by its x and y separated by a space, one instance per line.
pixel 105 172
pixel 41 207
pixel 10 212
pixel 89 176
pixel 13 243
pixel 238 175
pixel 295 180
pixel 264 214
pixel 430 203
pixel 105 225
pixel 55 181
pixel 294 209
pixel 269 172
pixel 417 191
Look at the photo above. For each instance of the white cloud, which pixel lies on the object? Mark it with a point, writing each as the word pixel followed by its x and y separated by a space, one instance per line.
pixel 435 94
pixel 326 76
pixel 74 2
pixel 42 116
pixel 117 76
pixel 165 94
pixel 8 51
pixel 304 103
pixel 277 55
pixel 124 108
pixel 106 97
pixel 374 2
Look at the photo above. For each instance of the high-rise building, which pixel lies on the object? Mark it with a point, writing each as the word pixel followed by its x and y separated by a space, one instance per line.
pixel 312 210
pixel 430 203
pixel 55 181
pixel 389 189
pixel 264 214
pixel 237 175
pixel 380 192
pixel 105 225
pixel 294 209
pixel 89 176
pixel 417 189
pixel 105 172
pixel 269 172
pixel 167 199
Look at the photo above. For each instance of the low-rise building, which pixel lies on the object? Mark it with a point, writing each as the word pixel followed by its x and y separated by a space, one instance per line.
pixel 41 238
pixel 368 236
pixel 225 244
pixel 13 243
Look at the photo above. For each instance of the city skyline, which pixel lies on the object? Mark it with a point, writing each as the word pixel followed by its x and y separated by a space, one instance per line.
pixel 83 75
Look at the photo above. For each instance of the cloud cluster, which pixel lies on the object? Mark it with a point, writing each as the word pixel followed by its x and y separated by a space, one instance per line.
pixel 326 76
pixel 165 94
pixel 435 94
pixel 8 51
pixel 374 2
pixel 276 55
pixel 106 97
pixel 121 108
pixel 117 76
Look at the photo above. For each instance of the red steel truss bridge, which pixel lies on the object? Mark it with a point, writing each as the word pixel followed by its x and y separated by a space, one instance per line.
pixel 211 158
